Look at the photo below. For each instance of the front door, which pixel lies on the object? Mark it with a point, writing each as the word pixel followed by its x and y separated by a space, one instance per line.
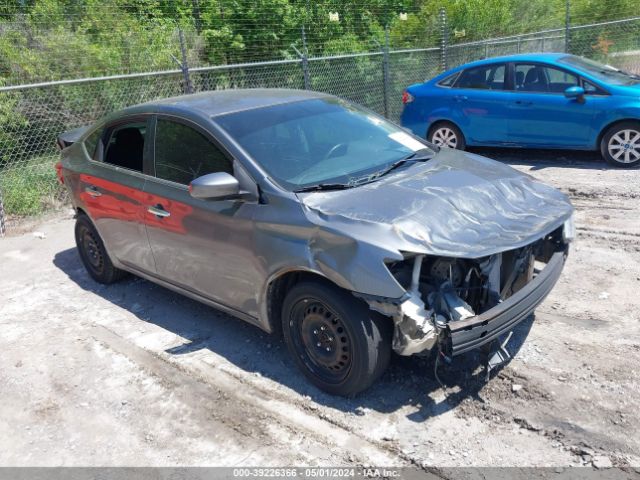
pixel 540 114
pixel 204 246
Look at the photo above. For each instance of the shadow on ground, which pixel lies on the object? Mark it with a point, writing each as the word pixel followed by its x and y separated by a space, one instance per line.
pixel 409 380
pixel 540 159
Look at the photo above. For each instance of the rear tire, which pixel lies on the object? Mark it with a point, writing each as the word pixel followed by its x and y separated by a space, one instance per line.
pixel 340 345
pixel 93 254
pixel 620 145
pixel 446 134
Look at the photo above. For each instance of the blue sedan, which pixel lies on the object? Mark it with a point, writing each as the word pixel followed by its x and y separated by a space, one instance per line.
pixel 550 100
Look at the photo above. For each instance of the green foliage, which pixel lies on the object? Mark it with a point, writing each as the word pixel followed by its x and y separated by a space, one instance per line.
pixel 29 189
pixel 42 40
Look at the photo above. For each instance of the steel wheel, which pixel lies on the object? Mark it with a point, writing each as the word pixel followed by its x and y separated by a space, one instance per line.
pixel 322 340
pixel 91 250
pixel 334 338
pixel 624 146
pixel 93 254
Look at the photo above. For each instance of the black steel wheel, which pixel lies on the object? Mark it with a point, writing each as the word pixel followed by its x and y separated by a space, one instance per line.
pixel 93 254
pixel 337 342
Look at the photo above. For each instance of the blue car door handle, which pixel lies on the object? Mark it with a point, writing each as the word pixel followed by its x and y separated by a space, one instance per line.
pixel 523 103
pixel 460 98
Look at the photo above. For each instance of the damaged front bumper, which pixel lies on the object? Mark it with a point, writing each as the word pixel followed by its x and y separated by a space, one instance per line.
pixel 446 322
pixel 476 331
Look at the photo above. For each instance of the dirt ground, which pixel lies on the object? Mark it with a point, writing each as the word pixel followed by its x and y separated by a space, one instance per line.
pixel 134 374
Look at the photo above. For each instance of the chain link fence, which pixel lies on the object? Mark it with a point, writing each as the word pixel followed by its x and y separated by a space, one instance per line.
pixel 31 116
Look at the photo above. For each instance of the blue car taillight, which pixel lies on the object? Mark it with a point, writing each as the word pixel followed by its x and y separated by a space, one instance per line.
pixel 407 97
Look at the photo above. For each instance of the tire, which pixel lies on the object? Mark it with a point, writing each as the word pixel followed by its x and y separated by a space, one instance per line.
pixel 340 345
pixel 620 145
pixel 446 134
pixel 93 254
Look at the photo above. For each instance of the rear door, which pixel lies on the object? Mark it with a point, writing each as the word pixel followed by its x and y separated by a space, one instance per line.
pixel 111 188
pixel 479 103
pixel 540 114
pixel 204 246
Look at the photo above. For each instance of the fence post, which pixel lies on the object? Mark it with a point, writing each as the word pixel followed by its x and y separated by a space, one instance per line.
pixel 385 71
pixel 305 61
pixel 444 39
pixel 2 224
pixel 567 27
pixel 184 65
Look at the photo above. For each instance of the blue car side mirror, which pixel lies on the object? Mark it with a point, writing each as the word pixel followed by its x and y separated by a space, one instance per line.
pixel 575 92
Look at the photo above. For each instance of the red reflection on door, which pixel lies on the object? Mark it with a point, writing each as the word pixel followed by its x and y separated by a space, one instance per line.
pixel 174 222
pixel 115 200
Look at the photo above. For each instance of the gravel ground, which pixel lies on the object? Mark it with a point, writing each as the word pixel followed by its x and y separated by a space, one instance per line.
pixel 134 374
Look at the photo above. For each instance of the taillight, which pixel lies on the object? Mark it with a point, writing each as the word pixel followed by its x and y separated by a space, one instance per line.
pixel 59 172
pixel 406 97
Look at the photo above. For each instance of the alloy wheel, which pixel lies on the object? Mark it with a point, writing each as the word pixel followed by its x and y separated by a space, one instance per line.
pixel 624 146
pixel 445 137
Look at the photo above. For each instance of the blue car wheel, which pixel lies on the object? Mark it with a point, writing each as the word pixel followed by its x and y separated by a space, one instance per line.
pixel 446 134
pixel 620 146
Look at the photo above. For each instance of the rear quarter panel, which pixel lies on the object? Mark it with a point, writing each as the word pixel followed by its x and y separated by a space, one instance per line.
pixel 431 103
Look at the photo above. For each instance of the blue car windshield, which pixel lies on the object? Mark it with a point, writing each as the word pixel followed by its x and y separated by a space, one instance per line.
pixel 605 73
pixel 320 142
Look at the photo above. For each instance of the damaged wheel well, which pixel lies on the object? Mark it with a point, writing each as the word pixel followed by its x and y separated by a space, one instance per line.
pixel 278 288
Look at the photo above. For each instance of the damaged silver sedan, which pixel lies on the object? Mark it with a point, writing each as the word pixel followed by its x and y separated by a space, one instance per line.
pixel 307 215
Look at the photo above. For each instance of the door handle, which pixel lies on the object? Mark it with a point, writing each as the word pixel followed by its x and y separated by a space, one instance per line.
pixel 523 103
pixel 92 190
pixel 158 211
pixel 460 98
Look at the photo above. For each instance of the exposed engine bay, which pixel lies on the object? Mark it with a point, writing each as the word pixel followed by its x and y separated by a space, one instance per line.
pixel 442 291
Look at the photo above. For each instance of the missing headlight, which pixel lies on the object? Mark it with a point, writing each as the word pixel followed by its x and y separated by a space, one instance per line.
pixel 569 230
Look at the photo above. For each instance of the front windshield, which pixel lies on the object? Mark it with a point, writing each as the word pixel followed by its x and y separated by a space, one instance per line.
pixel 605 73
pixel 319 141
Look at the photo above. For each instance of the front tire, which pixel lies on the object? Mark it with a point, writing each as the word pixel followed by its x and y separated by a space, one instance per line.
pixel 340 345
pixel 93 254
pixel 620 145
pixel 446 134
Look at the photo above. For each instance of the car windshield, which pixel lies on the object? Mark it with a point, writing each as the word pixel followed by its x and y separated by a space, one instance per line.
pixel 605 73
pixel 321 142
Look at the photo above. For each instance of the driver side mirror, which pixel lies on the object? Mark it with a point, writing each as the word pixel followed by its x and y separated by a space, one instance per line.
pixel 576 93
pixel 214 186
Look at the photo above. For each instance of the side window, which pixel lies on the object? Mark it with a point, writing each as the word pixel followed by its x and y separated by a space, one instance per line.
pixel 539 78
pixel 183 154
pixel 448 81
pixel 487 77
pixel 125 147
pixel 91 143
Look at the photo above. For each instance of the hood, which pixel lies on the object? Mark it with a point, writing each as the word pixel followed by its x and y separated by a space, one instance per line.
pixel 457 204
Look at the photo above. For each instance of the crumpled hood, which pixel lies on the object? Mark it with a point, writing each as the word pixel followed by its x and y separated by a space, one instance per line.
pixel 457 204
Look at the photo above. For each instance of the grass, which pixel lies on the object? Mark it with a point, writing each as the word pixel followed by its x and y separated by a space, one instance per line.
pixel 30 188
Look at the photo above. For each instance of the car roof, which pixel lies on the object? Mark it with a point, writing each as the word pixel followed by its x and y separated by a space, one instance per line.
pixel 520 57
pixel 220 102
